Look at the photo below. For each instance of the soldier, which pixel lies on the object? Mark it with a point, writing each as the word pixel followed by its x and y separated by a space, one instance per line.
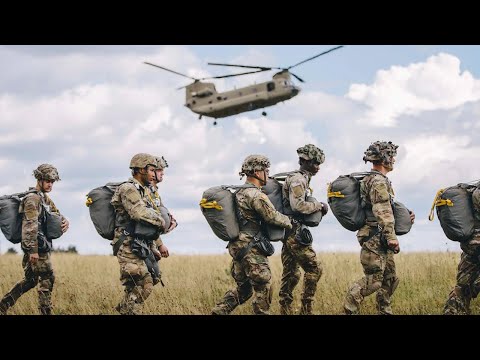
pixel 35 245
pixel 377 238
pixel 133 207
pixel 468 275
pixel 250 268
pixel 295 252
pixel 158 247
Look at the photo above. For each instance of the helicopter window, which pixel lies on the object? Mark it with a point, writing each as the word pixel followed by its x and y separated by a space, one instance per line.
pixel 219 98
pixel 271 86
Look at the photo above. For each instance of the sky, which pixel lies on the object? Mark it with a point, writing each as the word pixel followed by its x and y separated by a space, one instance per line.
pixel 88 109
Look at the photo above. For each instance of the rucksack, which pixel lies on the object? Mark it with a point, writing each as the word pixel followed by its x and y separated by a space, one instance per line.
pixel 345 201
pixel 10 219
pixel 273 189
pixel 102 213
pixel 455 211
pixel 219 207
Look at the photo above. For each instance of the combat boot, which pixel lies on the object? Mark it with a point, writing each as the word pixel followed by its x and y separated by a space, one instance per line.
pixel 306 308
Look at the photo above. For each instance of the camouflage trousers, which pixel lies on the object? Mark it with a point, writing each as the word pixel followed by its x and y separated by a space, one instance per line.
pixel 136 279
pixel 380 277
pixel 294 256
pixel 468 282
pixel 41 273
pixel 252 276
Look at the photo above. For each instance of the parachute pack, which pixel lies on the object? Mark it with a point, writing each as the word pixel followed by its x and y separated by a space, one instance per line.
pixel 273 189
pixel 102 213
pixel 11 220
pixel 219 206
pixel 455 210
pixel 345 201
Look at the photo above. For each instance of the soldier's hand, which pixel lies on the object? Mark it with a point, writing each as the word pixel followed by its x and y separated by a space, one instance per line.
pixel 156 253
pixel 65 225
pixel 394 245
pixel 324 208
pixel 164 251
pixel 412 217
pixel 173 224
pixel 33 258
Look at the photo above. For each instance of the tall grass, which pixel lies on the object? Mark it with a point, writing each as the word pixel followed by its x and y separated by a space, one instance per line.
pixel 91 285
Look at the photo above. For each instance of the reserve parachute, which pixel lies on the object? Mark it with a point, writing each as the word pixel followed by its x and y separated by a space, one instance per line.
pixel 455 210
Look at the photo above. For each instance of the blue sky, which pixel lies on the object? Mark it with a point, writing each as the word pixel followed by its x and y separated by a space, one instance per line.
pixel 88 109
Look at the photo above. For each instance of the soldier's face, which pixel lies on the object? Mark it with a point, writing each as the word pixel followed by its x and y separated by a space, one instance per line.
pixel 46 185
pixel 159 175
pixel 312 167
pixel 149 174
pixel 262 174
pixel 389 166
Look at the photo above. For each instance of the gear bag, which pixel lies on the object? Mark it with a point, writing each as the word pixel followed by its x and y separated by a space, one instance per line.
pixel 53 225
pixel 346 204
pixel 455 211
pixel 10 219
pixel 102 213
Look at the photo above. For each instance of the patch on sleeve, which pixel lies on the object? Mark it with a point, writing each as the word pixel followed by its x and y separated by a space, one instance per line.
pixel 297 190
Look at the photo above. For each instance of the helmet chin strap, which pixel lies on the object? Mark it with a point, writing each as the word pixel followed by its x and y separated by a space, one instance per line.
pixel 263 182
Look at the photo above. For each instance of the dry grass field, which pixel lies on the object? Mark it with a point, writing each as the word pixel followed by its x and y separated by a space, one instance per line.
pixel 90 284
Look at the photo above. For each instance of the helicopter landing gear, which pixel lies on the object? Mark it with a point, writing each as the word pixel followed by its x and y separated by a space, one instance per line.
pixel 264 113
pixel 200 117
pixel 214 123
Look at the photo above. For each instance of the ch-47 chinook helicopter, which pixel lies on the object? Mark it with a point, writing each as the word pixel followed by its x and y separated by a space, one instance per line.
pixel 202 98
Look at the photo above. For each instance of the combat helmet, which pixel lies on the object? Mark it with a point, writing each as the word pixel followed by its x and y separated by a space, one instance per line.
pixel 254 163
pixel 46 172
pixel 381 151
pixel 141 160
pixel 311 152
pixel 161 163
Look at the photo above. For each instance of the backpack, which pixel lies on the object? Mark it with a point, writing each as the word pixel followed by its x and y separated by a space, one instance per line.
pixel 10 219
pixel 345 201
pixel 455 211
pixel 102 213
pixel 219 207
pixel 273 189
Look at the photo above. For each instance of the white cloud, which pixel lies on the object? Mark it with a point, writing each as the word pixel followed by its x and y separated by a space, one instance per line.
pixel 434 84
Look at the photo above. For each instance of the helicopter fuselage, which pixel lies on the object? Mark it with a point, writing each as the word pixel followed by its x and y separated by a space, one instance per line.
pixel 202 98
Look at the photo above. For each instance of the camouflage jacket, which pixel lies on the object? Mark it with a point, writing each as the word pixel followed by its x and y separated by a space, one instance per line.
pixel 32 208
pixel 132 201
pixel 295 190
pixel 256 208
pixel 157 200
pixel 377 192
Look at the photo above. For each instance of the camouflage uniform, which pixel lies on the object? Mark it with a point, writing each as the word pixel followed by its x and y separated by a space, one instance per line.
pixel 252 272
pixel 468 275
pixel 132 203
pixel 295 255
pixel 35 242
pixel 376 258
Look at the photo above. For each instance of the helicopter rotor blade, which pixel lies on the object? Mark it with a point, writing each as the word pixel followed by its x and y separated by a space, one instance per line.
pixel 231 75
pixel 297 77
pixel 263 68
pixel 161 67
pixel 313 57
